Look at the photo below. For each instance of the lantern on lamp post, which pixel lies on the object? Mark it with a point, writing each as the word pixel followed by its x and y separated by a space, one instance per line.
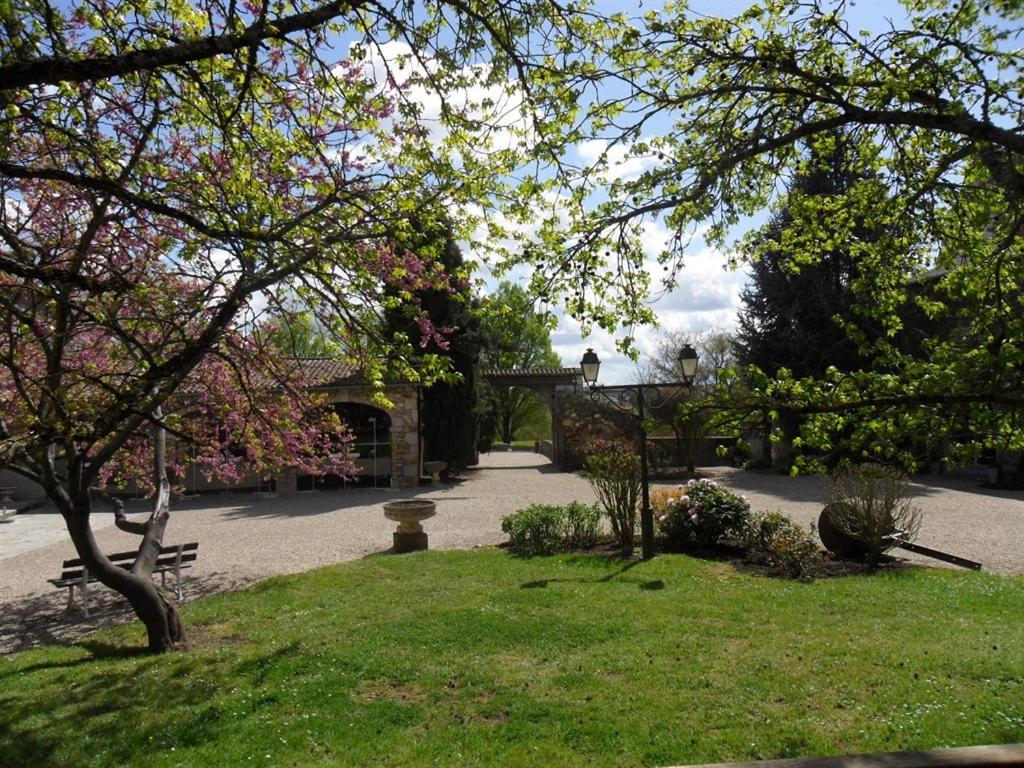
pixel 590 365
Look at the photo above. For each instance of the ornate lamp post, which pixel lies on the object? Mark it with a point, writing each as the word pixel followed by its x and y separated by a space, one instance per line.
pixel 633 398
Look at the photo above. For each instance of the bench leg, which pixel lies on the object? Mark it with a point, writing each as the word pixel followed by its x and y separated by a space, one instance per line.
pixel 85 597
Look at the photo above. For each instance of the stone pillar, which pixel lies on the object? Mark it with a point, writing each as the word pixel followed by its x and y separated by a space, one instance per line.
pixel 288 482
pixel 405 439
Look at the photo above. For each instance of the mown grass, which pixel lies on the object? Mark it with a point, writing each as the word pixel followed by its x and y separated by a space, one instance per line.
pixel 482 658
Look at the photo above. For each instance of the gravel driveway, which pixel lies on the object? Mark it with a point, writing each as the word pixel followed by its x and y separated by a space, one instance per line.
pixel 245 538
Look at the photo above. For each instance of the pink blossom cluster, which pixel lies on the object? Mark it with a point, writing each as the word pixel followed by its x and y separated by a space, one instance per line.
pixel 101 317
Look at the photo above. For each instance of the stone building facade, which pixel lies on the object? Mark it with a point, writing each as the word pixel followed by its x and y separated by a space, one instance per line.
pixel 341 382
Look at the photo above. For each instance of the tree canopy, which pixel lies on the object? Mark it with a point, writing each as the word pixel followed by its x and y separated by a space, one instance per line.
pixel 515 336
pixel 449 410
pixel 721 114
pixel 165 170
pixel 799 316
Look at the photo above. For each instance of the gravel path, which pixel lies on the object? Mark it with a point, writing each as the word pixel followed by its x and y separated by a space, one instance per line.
pixel 244 538
pixel 250 537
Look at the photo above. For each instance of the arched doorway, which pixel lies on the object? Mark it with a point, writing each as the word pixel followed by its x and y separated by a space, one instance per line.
pixel 520 413
pixel 371 446
pixel 370 449
pixel 371 428
pixel 548 384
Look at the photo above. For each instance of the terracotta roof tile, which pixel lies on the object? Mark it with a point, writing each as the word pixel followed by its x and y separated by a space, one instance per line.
pixel 325 371
pixel 524 372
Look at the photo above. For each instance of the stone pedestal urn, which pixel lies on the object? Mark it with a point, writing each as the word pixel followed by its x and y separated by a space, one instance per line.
pixel 408 513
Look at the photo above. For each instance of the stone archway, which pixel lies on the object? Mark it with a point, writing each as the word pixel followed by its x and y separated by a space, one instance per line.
pixel 550 384
pixel 404 431
pixel 404 427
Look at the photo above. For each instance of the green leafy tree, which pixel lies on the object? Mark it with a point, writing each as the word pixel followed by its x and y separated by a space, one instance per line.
pixel 163 167
pixel 800 312
pixel 799 308
pixel 930 109
pixel 516 337
pixel 299 335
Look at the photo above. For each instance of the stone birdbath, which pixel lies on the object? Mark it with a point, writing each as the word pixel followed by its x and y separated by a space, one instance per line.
pixel 434 469
pixel 409 513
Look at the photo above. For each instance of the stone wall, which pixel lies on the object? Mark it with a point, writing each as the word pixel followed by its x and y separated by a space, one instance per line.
pixel 405 433
pixel 583 420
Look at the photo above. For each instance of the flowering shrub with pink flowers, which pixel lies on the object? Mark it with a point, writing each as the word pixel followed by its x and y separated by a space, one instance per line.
pixel 700 513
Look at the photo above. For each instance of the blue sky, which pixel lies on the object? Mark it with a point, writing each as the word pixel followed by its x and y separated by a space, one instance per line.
pixel 708 294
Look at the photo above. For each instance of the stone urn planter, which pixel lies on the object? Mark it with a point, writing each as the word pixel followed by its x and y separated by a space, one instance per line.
pixel 434 469
pixel 409 513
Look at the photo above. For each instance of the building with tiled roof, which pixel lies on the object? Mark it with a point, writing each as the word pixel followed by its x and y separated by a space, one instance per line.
pixel 327 371
pixel 552 384
pixel 529 373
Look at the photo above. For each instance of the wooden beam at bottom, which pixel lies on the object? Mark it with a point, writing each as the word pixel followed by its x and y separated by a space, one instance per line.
pixel 995 756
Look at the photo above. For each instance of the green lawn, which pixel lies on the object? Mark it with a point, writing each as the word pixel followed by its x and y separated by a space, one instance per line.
pixel 481 658
pixel 521 445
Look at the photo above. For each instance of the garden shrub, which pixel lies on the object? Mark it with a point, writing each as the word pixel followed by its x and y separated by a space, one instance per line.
pixel 613 469
pixel 870 503
pixel 544 529
pixel 582 525
pixel 535 530
pixel 702 513
pixel 660 455
pixel 774 539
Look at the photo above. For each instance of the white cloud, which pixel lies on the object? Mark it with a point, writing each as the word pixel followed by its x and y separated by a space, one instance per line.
pixel 496 107
pixel 616 162
pixel 707 294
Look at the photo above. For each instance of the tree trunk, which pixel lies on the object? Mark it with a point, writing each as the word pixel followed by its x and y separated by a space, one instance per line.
pixel 151 604
pixel 506 427
pixel 784 429
pixel 154 607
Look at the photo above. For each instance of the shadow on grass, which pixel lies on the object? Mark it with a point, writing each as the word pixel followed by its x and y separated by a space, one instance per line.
pixel 652 586
pixel 830 567
pixel 43 619
pixel 629 565
pixel 55 719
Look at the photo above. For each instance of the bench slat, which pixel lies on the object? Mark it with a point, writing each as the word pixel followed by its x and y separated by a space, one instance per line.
pixel 76 574
pixel 166 560
pixel 192 546
pixel 170 559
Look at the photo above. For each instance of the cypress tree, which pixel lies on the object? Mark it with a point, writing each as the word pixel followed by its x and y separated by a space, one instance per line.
pixel 449 414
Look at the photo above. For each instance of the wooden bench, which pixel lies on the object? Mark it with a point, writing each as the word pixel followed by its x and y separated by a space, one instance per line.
pixel 172 559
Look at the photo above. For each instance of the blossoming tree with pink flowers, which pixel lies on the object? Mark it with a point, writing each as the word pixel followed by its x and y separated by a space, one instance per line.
pixel 168 173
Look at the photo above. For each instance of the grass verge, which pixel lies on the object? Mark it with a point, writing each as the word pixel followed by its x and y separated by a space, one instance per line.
pixel 482 658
